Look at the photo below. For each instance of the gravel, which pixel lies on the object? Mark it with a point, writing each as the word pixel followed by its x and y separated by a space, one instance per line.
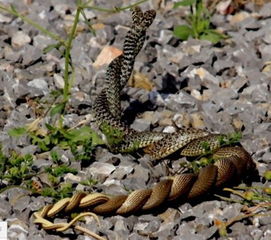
pixel 223 88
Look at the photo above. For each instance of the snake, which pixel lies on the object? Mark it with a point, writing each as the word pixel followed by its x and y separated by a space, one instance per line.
pixel 230 163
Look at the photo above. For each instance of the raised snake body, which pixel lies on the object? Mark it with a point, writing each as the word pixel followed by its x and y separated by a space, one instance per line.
pixel 231 162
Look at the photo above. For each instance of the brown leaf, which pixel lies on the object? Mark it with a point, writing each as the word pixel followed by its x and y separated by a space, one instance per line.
pixel 139 80
pixel 107 54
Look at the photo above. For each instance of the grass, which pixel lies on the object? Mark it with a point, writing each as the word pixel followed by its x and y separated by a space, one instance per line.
pixel 199 23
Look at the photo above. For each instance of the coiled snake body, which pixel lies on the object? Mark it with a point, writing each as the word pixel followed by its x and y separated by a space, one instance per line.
pixel 230 162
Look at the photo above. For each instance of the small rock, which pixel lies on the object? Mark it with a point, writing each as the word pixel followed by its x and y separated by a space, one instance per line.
pixel 165 118
pixel 141 125
pixel 17 230
pixel 69 177
pixel 182 120
pixel 31 54
pixel 238 17
pixel 19 39
pixel 21 203
pixel 39 83
pixel 139 80
pixel 4 19
pixel 205 76
pixel 169 129
pixel 11 55
pixel 237 123
pixel 265 10
pixel 5 209
pixel 196 94
pixel 41 41
pixel 101 171
pixel 113 187
pixel 170 215
pixel 223 64
pixel 121 172
pixel 175 101
pixel 37 203
pixel 265 220
pixel 197 121
pixel 59 81
pixel 121 226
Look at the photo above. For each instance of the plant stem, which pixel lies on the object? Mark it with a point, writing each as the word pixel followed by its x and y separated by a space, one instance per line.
pixel 67 84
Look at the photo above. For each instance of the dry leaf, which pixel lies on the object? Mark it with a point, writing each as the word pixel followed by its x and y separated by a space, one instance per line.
pixel 139 80
pixel 107 54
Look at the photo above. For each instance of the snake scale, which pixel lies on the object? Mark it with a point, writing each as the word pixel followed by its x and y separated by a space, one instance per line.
pixel 230 162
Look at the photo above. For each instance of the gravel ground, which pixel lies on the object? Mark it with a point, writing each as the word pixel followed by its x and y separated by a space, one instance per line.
pixel 224 88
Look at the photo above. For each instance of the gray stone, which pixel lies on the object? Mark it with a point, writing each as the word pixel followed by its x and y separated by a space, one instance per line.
pixel 222 64
pixel 5 209
pixel 11 55
pixel 265 220
pixel 174 102
pixel 121 172
pixel 37 203
pixel 21 203
pixel 5 19
pixel 40 84
pixel 264 12
pixel 140 125
pixel 31 54
pixel 100 171
pixel 41 41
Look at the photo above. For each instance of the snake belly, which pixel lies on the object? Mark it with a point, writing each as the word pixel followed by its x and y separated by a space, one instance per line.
pixel 230 162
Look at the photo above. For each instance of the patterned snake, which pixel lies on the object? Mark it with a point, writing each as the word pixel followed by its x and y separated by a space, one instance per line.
pixel 229 163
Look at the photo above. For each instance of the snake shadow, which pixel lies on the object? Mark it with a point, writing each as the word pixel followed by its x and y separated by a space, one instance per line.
pixel 135 108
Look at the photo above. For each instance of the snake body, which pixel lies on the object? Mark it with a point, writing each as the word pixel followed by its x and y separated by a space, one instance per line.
pixel 230 162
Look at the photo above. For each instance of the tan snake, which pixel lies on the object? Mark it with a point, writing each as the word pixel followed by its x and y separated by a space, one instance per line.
pixel 230 162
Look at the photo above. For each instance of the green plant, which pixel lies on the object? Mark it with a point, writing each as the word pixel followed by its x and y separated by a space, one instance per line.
pixel 58 171
pixel 89 182
pixel 63 190
pixel 199 23
pixel 81 141
pixel 15 168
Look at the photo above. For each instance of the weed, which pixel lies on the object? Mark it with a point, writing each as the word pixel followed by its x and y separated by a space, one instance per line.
pixel 58 171
pixel 255 200
pixel 89 182
pixel 15 168
pixel 230 139
pixel 199 23
pixel 62 191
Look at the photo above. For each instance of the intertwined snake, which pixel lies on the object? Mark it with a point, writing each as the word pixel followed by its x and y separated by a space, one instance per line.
pixel 230 162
